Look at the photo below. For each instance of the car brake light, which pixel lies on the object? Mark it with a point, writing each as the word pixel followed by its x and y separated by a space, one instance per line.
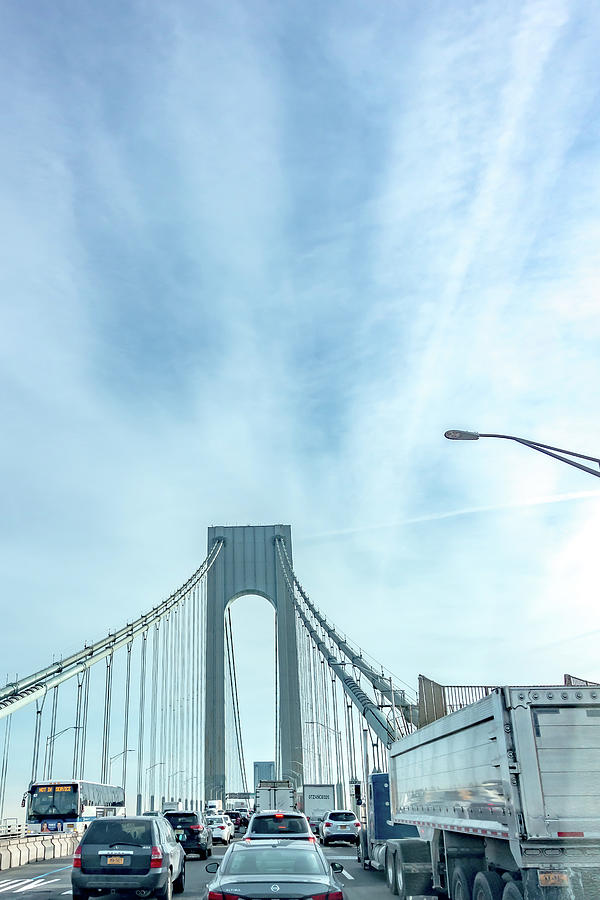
pixel 312 839
pixel 335 895
pixel 357 824
pixel 156 858
pixel 196 827
pixel 327 824
pixel 222 827
pixel 279 815
pixel 77 858
pixel 215 895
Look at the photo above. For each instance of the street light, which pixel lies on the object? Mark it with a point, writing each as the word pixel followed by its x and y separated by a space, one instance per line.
pixel 457 435
pixel 49 754
pixel 172 775
pixel 151 787
pixel 116 756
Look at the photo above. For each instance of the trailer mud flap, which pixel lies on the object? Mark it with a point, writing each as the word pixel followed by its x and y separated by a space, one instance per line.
pixel 543 884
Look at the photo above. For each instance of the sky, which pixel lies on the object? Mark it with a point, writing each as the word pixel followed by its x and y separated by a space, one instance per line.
pixel 256 258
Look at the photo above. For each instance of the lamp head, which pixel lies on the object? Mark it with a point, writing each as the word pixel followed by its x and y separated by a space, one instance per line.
pixel 455 435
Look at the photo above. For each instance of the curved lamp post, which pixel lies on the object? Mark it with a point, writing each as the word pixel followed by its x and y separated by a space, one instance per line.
pixel 457 435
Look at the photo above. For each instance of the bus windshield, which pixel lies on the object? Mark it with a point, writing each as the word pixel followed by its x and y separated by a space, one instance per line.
pixel 53 800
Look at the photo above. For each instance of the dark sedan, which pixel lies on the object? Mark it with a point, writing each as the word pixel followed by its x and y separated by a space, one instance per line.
pixel 138 855
pixel 192 832
pixel 287 869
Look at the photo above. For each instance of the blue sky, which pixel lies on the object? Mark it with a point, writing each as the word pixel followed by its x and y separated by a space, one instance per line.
pixel 257 257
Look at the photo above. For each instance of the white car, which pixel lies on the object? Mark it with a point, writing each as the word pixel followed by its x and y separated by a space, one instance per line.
pixel 222 828
pixel 339 825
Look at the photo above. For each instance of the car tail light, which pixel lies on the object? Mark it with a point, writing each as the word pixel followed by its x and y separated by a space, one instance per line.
pixel 217 895
pixel 196 827
pixel 312 839
pixel 333 895
pixel 327 824
pixel 357 824
pixel 279 815
pixel 77 858
pixel 222 827
pixel 156 858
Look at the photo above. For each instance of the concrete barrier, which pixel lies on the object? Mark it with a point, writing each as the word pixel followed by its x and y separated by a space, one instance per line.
pixel 4 858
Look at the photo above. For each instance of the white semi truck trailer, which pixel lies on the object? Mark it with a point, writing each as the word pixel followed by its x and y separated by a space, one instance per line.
pixel 505 796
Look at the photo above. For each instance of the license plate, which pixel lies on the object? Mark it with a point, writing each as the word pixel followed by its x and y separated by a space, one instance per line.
pixel 180 835
pixel 115 861
pixel 343 827
pixel 553 879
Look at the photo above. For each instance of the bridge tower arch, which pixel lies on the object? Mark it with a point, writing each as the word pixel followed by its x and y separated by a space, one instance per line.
pixel 248 564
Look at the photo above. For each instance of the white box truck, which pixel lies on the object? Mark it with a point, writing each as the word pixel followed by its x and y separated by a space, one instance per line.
pixel 505 795
pixel 317 799
pixel 279 795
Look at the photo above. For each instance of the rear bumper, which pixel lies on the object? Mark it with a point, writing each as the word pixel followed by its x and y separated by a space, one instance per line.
pixel 333 835
pixel 154 880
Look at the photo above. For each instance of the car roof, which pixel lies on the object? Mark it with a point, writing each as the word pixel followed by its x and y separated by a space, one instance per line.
pixel 344 811
pixel 277 843
pixel 279 812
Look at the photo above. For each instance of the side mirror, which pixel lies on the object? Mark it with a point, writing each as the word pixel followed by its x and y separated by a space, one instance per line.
pixel 337 868
pixel 212 867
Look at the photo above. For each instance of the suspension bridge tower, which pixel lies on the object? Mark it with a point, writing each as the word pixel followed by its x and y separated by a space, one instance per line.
pixel 248 564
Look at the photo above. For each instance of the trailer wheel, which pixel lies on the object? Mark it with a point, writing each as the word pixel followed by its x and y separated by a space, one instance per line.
pixel 390 872
pixel 488 886
pixel 462 882
pixel 414 875
pixel 513 891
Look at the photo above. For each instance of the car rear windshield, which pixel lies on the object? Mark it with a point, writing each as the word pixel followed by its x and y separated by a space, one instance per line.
pixel 178 819
pixel 273 861
pixel 216 820
pixel 341 817
pixel 119 831
pixel 281 824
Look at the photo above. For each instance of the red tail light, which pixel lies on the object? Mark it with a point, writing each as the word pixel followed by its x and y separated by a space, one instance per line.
pixel 217 895
pixel 196 827
pixel 279 815
pixel 333 895
pixel 156 859
pixel 222 827
pixel 327 824
pixel 357 824
pixel 77 858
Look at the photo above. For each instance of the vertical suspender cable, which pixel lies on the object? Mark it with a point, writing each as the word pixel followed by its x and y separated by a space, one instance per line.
pixel 52 735
pixel 78 712
pixel 164 711
pixel 83 739
pixel 154 711
pixel 140 754
pixel 126 717
pixel 106 729
pixel 193 696
pixel 4 770
pixel 39 708
pixel 277 741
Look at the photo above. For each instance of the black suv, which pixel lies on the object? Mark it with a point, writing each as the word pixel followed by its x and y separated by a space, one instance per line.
pixel 192 832
pixel 276 824
pixel 136 854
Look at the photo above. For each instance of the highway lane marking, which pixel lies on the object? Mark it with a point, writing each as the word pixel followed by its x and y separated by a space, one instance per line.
pixel 11 885
pixel 347 875
pixel 28 886
pixel 66 892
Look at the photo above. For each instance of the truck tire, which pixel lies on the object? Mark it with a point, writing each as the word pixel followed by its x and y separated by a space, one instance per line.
pixel 462 882
pixel 414 875
pixel 488 886
pixel 513 890
pixel 390 871
pixel 362 851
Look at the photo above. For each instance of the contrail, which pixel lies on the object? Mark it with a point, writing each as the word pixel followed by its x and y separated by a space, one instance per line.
pixel 455 513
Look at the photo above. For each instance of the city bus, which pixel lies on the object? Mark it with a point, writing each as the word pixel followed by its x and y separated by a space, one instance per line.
pixel 70 805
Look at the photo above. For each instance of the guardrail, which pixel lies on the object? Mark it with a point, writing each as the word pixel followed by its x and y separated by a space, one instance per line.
pixel 18 848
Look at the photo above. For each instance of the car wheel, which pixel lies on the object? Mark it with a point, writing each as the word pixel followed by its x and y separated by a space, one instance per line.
pixel 462 882
pixel 179 883
pixel 167 892
pixel 209 850
pixel 487 886
pixel 203 853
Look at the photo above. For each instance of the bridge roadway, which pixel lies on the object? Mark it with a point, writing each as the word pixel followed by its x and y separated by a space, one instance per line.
pixel 51 880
